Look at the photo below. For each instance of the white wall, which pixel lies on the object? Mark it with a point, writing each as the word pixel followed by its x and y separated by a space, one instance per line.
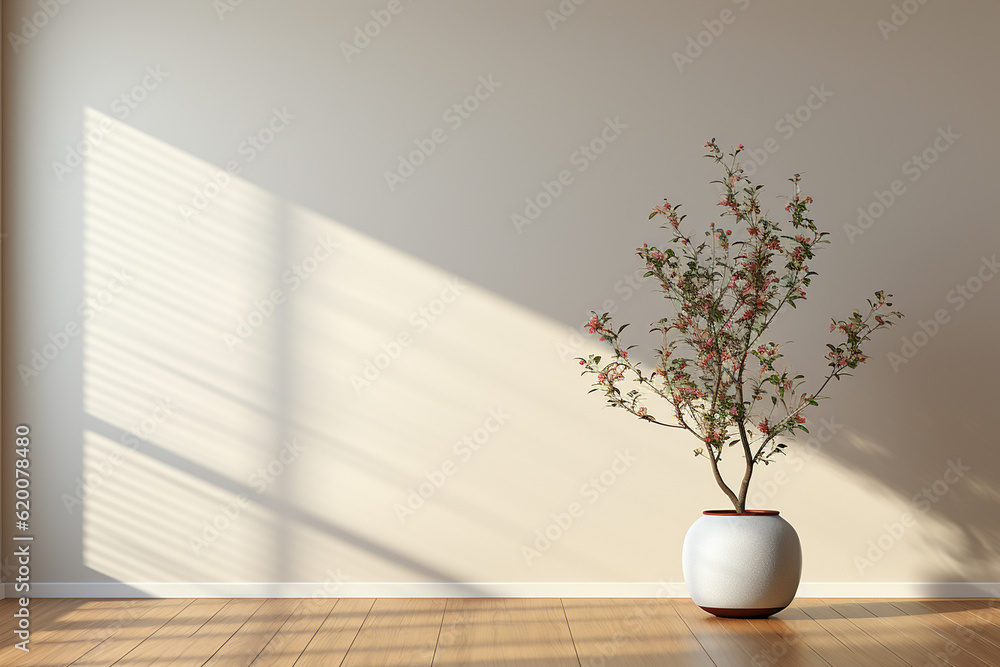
pixel 162 424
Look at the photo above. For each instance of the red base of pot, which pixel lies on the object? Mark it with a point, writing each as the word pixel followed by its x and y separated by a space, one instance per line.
pixel 742 613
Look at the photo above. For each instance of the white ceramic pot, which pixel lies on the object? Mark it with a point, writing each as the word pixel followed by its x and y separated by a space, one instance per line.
pixel 742 565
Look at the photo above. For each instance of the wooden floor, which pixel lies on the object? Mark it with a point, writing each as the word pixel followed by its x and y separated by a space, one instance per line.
pixel 482 632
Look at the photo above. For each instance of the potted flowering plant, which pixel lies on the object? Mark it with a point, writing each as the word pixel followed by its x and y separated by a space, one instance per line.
pixel 716 369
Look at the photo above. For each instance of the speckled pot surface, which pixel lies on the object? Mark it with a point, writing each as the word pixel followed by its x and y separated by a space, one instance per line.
pixel 742 565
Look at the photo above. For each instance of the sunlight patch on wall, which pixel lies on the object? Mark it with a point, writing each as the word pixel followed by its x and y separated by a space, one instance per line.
pixel 290 397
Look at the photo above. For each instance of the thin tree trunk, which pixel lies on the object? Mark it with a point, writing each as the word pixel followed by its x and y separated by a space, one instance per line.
pixel 721 482
pixel 741 502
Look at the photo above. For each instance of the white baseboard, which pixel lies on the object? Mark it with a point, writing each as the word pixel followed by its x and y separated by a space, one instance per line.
pixel 899 589
pixel 468 590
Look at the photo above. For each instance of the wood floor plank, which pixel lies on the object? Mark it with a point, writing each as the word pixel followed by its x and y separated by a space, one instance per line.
pixel 216 632
pixel 295 633
pixel 40 611
pixel 885 632
pixel 329 645
pixel 963 616
pixel 36 606
pixel 918 630
pixel 631 633
pixel 759 648
pixel 783 644
pixel 72 631
pixel 809 634
pixel 721 647
pixel 514 632
pixel 956 637
pixel 397 632
pixel 166 640
pixel 43 615
pixel 250 639
pixel 208 638
pixel 866 650
pixel 661 633
pixel 132 632
pixel 957 634
pixel 986 608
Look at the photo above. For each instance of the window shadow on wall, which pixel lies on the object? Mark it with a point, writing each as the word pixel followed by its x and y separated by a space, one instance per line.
pixel 270 396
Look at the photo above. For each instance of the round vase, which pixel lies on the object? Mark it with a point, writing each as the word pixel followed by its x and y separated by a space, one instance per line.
pixel 742 565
